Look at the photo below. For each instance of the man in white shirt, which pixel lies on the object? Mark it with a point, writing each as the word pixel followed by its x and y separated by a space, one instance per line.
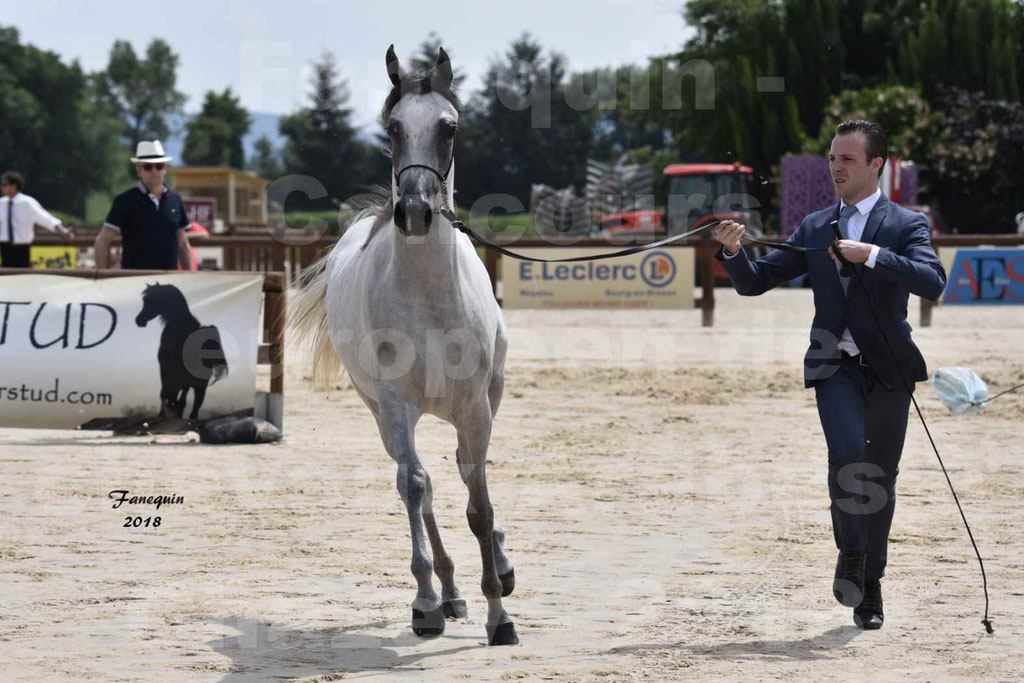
pixel 859 384
pixel 19 214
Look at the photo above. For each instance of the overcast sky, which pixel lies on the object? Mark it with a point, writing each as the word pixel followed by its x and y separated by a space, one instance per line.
pixel 261 49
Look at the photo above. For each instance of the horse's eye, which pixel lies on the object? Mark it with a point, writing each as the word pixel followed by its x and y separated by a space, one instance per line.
pixel 449 128
pixel 393 128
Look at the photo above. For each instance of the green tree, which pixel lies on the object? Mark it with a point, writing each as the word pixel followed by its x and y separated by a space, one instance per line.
pixel 520 128
pixel 426 57
pixel 215 135
pixel 616 130
pixel 964 44
pixel 980 152
pixel 724 110
pixel 320 139
pixel 266 162
pixel 53 130
pixel 141 92
pixel 911 126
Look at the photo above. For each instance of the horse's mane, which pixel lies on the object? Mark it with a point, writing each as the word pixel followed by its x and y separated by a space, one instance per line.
pixel 374 201
pixel 166 294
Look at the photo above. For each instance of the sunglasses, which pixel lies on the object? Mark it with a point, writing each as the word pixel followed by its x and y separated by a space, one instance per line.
pixel 150 167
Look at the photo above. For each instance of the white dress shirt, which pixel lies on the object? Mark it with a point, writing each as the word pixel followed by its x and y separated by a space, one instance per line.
pixel 27 214
pixel 858 220
pixel 854 231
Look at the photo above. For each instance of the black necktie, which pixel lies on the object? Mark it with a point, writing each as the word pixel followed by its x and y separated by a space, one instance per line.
pixel 844 228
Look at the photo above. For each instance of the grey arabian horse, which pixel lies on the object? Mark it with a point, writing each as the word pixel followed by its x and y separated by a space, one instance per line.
pixel 405 304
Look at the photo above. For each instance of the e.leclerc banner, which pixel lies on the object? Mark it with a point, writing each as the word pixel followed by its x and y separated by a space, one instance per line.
pixel 84 353
pixel 661 278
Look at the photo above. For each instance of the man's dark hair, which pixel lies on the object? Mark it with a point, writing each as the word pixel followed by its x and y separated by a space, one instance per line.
pixel 14 178
pixel 877 142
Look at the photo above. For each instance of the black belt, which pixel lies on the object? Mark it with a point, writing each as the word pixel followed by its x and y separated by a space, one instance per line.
pixel 859 358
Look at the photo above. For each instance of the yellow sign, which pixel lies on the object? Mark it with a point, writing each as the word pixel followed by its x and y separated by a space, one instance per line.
pixel 65 258
pixel 660 278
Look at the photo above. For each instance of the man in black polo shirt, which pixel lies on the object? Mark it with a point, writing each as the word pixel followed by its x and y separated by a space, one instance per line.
pixel 150 218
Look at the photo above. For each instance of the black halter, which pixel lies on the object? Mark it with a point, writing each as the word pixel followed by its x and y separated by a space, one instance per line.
pixel 443 177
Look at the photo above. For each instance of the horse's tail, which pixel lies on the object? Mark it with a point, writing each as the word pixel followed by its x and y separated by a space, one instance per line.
pixel 214 355
pixel 307 319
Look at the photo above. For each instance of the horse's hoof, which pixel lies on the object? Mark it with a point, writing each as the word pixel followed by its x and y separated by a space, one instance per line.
pixel 508 582
pixel 454 609
pixel 502 634
pixel 428 624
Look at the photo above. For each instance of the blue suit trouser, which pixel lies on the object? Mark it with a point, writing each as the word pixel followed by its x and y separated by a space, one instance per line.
pixel 865 424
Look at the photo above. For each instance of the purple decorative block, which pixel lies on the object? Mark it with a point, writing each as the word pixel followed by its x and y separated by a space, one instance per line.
pixel 908 183
pixel 806 187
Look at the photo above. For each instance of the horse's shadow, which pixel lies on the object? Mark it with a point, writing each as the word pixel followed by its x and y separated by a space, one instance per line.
pixel 265 651
pixel 823 646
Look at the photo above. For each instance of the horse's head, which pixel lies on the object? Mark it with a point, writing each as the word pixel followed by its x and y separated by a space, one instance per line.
pixel 421 115
pixel 157 300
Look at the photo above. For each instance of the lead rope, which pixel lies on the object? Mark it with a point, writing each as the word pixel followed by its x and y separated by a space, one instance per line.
pixel 1001 393
pixel 461 227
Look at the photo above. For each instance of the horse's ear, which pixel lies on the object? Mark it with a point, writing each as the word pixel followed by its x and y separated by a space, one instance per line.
pixel 443 68
pixel 394 68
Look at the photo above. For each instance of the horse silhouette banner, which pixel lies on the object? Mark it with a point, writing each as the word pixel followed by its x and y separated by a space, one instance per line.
pixel 129 354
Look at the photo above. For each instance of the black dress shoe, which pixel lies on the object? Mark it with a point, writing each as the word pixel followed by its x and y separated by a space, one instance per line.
pixel 868 614
pixel 848 586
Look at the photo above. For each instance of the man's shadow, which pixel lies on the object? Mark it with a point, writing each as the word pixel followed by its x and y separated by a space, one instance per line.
pixel 264 651
pixel 822 646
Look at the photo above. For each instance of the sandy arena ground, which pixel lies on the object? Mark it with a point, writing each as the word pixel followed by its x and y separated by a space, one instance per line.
pixel 662 485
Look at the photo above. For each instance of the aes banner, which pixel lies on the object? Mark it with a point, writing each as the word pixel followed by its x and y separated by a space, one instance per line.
pixel 127 352
pixel 984 276
pixel 660 278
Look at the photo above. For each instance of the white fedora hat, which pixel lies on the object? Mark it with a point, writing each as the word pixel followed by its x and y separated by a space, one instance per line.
pixel 150 151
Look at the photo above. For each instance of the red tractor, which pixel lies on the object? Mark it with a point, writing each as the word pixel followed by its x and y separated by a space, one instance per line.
pixel 700 193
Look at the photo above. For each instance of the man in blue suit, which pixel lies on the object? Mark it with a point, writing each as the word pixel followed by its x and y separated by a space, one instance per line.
pixel 862 401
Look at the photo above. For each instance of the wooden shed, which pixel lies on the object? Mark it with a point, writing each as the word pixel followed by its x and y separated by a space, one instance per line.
pixel 240 197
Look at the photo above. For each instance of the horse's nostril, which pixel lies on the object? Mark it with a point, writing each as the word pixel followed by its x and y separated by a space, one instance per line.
pixel 400 215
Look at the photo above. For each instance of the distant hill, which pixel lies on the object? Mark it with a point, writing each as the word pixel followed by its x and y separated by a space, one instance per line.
pixel 263 124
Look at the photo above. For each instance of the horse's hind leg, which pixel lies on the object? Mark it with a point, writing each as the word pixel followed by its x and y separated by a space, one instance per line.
pixel 474 433
pixel 495 390
pixel 452 603
pixel 397 420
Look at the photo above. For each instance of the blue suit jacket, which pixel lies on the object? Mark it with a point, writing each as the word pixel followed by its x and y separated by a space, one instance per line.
pixel 906 264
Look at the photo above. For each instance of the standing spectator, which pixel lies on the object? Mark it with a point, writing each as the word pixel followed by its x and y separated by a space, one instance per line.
pixel 149 217
pixel 19 215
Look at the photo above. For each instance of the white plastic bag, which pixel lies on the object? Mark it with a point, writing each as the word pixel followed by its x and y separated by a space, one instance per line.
pixel 961 390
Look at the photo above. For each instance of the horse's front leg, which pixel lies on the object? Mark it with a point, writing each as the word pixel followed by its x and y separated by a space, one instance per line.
pixel 397 421
pixel 474 430
pixel 453 605
pixel 198 396
pixel 179 402
pixel 168 390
